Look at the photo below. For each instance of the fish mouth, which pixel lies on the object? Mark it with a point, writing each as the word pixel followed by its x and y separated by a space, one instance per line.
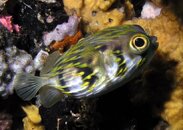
pixel 154 42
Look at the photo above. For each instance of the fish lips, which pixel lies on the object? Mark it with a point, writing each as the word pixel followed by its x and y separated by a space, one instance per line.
pixel 154 42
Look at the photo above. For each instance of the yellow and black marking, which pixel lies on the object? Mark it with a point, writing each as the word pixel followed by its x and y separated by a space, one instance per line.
pixel 63 86
pixel 122 71
pixel 88 77
pixel 101 47
pixel 121 62
pixel 84 71
pixel 141 62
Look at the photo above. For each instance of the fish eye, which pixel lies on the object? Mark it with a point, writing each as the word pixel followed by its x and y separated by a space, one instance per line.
pixel 139 43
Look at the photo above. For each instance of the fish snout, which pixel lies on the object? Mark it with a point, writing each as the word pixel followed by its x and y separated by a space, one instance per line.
pixel 154 42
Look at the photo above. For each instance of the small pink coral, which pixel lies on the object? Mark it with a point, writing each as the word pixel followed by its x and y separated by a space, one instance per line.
pixel 7 23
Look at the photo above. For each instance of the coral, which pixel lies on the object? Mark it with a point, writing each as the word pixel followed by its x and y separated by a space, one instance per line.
pixel 175 6
pixel 7 22
pixel 157 2
pixel 33 119
pixel 28 125
pixel 2 4
pixel 62 30
pixel 48 1
pixel 35 18
pixel 19 60
pixel 5 121
pixel 173 112
pixel 170 40
pixel 13 61
pixel 66 42
pixel 101 21
pixel 96 14
pixel 150 10
pixel 23 51
pixel 40 59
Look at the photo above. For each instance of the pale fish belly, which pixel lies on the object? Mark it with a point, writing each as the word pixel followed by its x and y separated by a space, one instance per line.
pixel 111 67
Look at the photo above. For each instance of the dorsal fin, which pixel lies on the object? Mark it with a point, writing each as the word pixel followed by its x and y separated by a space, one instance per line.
pixel 52 58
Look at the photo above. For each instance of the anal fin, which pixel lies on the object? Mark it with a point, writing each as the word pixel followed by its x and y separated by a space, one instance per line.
pixel 49 96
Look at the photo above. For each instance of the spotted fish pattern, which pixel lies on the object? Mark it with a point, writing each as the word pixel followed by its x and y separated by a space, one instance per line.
pixel 95 65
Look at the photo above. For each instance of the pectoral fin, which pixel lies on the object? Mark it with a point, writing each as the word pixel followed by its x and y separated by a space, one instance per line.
pixel 50 62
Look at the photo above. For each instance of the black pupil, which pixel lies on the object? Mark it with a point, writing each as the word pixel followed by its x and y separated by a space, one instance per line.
pixel 139 42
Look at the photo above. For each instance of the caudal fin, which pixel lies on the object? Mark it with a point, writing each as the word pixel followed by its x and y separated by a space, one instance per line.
pixel 27 85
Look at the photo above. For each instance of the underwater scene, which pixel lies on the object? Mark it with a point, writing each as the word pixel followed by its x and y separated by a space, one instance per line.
pixel 91 65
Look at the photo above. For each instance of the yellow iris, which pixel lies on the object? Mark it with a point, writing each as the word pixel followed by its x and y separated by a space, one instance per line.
pixel 139 43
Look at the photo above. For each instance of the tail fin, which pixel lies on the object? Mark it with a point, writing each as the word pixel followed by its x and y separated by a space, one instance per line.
pixel 27 85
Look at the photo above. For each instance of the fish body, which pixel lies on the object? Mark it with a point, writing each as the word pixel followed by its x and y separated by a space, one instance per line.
pixel 97 64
